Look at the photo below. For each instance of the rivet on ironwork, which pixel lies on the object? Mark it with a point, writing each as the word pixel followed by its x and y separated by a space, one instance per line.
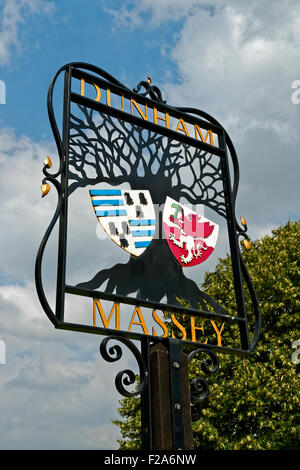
pixel 176 365
pixel 177 406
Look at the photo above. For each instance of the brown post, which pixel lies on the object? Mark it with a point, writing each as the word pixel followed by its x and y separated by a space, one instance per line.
pixel 162 429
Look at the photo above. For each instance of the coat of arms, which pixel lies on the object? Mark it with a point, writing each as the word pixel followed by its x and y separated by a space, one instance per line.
pixel 127 216
pixel 191 237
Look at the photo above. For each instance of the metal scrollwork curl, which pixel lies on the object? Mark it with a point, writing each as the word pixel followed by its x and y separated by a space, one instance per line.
pixel 39 258
pixel 125 377
pixel 151 90
pixel 199 386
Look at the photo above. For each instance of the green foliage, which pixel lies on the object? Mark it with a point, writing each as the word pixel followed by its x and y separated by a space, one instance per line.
pixel 130 427
pixel 254 402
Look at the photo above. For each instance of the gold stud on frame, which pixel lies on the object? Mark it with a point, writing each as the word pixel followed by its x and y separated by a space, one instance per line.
pixel 45 189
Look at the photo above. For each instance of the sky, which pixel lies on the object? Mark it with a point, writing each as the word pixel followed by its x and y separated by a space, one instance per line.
pixel 238 61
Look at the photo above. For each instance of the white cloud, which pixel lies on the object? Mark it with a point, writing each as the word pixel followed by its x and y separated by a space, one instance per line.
pixel 55 388
pixel 153 13
pixel 238 65
pixel 13 15
pixel 23 218
pixel 237 62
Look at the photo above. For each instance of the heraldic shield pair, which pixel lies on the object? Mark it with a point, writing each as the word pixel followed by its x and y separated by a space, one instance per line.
pixel 128 217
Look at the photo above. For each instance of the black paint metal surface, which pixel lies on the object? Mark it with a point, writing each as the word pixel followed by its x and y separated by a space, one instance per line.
pixel 155 274
pixel 147 156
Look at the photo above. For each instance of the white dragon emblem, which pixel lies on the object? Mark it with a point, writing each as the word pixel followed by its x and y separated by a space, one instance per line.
pixel 187 233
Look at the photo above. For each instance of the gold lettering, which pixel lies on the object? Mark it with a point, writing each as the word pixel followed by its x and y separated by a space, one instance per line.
pixel 133 102
pixel 179 326
pixel 122 103
pixel 166 119
pixel 218 331
pixel 82 89
pixel 108 97
pixel 208 133
pixel 194 328
pixel 142 323
pixel 160 323
pixel 106 322
pixel 138 319
pixel 183 128
pixel 98 92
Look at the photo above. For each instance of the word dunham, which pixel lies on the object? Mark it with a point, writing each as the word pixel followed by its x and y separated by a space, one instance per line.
pixel 191 130
pixel 138 319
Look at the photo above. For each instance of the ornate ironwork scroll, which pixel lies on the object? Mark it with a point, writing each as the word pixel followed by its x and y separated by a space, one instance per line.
pixel 126 377
pixel 153 91
pixel 199 386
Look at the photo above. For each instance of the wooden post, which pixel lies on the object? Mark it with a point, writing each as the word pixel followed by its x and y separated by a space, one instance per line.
pixel 164 409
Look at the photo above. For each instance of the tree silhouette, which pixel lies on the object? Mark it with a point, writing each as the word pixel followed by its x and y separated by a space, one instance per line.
pixel 104 149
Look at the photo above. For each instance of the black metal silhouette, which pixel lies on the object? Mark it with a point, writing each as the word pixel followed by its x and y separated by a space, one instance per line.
pixel 118 152
pixel 199 386
pixel 102 144
pixel 126 377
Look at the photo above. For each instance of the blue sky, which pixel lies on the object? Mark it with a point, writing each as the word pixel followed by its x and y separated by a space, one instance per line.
pixel 235 60
pixel 85 32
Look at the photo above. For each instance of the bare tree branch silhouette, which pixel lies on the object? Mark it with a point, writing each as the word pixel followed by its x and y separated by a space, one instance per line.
pixel 104 149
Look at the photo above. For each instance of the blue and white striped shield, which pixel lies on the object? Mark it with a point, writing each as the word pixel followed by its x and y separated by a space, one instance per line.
pixel 127 216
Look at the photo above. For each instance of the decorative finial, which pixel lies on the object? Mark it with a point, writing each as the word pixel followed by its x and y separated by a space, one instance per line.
pixel 244 223
pixel 151 90
pixel 247 244
pixel 45 189
pixel 45 186
pixel 48 162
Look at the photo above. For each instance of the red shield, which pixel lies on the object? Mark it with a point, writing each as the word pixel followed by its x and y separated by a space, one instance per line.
pixel 191 237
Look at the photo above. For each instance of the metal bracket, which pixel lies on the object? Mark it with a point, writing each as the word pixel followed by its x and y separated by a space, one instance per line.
pixel 176 394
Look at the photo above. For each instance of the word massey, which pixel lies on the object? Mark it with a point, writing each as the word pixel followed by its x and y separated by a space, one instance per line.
pixel 195 333
pixel 131 106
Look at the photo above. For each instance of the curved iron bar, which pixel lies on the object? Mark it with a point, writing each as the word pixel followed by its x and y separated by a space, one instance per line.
pixel 153 91
pixel 127 376
pixel 39 257
pixel 208 366
pixel 254 298
pixel 51 113
pixel 52 177
pixel 156 95
pixel 243 233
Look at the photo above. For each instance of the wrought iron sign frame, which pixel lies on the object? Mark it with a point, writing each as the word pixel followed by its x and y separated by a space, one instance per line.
pixel 152 97
pixel 149 96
